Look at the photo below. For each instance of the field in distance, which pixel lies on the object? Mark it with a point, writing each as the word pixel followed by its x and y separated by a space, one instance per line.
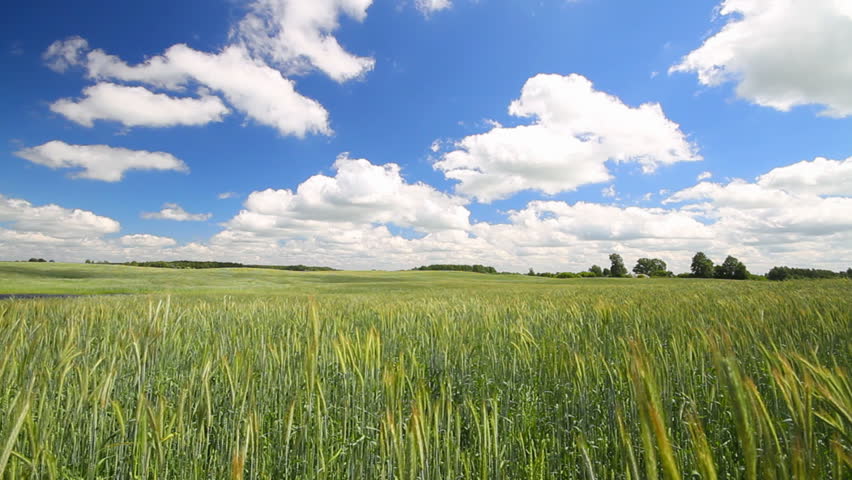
pixel 58 278
pixel 255 374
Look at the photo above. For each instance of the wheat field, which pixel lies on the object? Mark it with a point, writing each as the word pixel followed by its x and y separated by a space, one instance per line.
pixel 513 379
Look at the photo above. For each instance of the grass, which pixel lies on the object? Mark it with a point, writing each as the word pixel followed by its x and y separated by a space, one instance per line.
pixel 248 374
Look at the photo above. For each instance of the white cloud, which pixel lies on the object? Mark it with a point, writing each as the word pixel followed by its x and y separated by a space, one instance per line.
pixel 63 54
pixel 138 106
pixel 781 54
pixel 428 7
pixel 704 176
pixel 173 211
pixel 296 35
pixel 591 221
pixel 252 87
pixel 368 216
pixel 146 240
pixel 767 210
pixel 609 191
pixel 99 162
pixel 53 221
pixel 818 177
pixel 577 129
pixel 226 195
pixel 359 194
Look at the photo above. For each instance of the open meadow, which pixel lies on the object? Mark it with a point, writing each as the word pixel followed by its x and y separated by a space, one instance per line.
pixel 264 374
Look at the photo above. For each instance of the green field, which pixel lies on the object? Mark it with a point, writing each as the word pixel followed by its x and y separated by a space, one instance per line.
pixel 250 374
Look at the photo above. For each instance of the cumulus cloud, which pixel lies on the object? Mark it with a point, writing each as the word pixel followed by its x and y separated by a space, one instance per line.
pixel 249 85
pixel 71 234
pixel 297 36
pixel 781 54
pixel 64 54
pixel 359 193
pixel 293 36
pixel 99 162
pixel 146 240
pixel 818 177
pixel 704 176
pixel 173 211
pixel 428 7
pixel 774 207
pixel 226 195
pixel 367 216
pixel 576 130
pixel 591 221
pixel 53 221
pixel 139 107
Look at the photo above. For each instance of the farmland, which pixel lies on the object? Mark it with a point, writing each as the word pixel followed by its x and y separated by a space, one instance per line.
pixel 250 374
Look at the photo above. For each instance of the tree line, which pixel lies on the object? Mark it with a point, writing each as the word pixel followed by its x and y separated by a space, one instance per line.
pixel 701 267
pixel 788 273
pixel 458 268
pixel 190 264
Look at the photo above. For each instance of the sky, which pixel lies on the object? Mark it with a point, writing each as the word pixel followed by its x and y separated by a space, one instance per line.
pixel 388 134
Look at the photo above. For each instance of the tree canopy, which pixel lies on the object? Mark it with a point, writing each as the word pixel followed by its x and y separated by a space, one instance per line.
pixel 652 267
pixel 702 267
pixel 731 269
pixel 617 269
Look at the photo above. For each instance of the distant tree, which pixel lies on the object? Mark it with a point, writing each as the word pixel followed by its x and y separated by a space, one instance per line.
pixel 652 267
pixel 778 274
pixel 531 272
pixel 596 270
pixel 606 272
pixel 789 273
pixel 702 267
pixel 445 267
pixel 617 269
pixel 741 272
pixel 731 269
pixel 849 272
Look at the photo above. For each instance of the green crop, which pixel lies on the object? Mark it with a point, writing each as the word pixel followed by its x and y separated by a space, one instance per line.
pixel 519 379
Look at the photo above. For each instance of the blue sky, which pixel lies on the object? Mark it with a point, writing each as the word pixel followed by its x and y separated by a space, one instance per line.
pixel 391 133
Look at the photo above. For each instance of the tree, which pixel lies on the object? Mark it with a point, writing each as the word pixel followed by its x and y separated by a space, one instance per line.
pixel 731 269
pixel 741 272
pixel 606 272
pixel 849 272
pixel 778 274
pixel 617 269
pixel 652 267
pixel 596 270
pixel 531 272
pixel 702 267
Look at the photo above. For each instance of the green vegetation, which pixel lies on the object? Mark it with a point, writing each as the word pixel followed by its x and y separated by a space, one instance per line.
pixel 617 269
pixel 788 273
pixel 702 266
pixel 458 268
pixel 652 267
pixel 203 265
pixel 731 269
pixel 421 375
